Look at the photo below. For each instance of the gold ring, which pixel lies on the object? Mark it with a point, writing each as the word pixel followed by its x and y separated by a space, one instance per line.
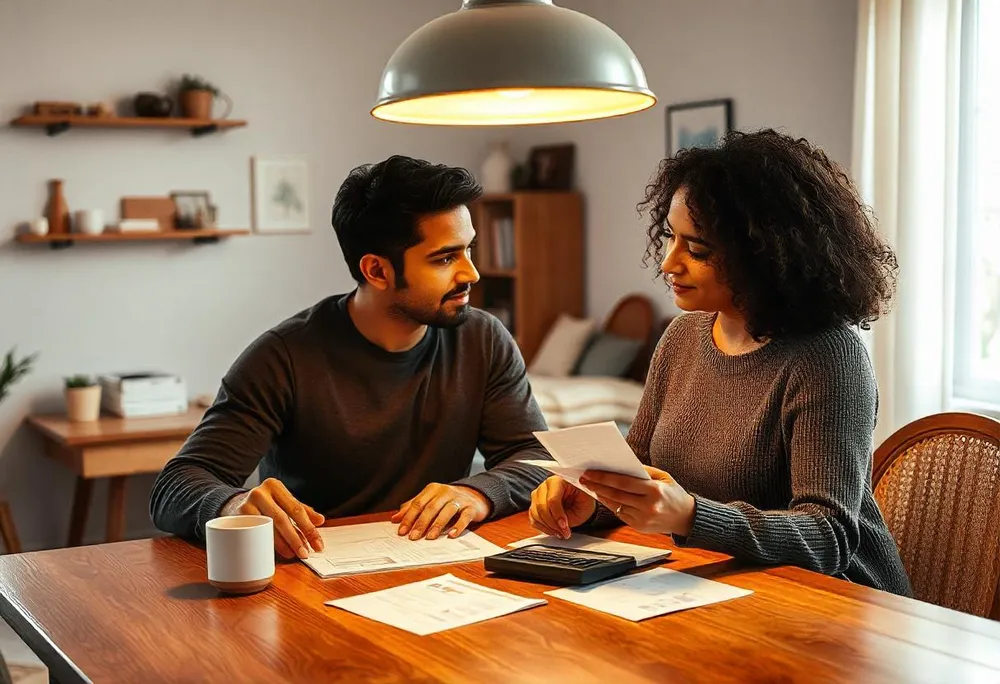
pixel 618 510
pixel 457 505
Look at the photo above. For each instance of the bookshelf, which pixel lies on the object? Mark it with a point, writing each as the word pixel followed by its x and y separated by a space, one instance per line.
pixel 529 253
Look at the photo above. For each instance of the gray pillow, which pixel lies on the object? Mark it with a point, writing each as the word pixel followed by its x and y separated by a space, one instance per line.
pixel 608 355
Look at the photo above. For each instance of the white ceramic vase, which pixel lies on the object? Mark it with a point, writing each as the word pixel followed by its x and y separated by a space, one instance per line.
pixel 495 173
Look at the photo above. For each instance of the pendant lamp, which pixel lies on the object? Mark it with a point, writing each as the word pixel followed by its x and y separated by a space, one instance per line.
pixel 511 62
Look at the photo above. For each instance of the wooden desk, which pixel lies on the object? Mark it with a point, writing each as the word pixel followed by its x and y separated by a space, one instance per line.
pixel 115 448
pixel 142 611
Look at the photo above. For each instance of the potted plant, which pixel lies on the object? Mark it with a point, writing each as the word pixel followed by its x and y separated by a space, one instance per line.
pixel 83 398
pixel 196 96
pixel 13 370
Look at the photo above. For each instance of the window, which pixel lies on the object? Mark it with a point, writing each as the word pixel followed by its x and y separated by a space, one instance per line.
pixel 977 285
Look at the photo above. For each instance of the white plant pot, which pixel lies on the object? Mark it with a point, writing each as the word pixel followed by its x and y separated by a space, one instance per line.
pixel 83 404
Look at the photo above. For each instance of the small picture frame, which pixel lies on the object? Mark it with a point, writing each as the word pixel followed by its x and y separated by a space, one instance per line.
pixel 550 167
pixel 193 209
pixel 280 194
pixel 698 124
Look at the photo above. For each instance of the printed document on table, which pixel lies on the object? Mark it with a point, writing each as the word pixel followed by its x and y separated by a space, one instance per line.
pixel 647 594
pixel 599 446
pixel 435 605
pixel 376 547
pixel 644 555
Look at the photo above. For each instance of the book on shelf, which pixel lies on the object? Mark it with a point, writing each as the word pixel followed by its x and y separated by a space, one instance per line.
pixel 502 243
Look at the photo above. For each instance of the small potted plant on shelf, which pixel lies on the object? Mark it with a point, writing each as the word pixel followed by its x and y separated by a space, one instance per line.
pixel 13 370
pixel 83 398
pixel 196 96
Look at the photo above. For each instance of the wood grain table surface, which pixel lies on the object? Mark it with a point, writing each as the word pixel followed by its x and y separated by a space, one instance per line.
pixel 142 611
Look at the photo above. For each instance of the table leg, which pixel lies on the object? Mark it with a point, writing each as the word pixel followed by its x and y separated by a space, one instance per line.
pixel 7 530
pixel 116 509
pixel 81 504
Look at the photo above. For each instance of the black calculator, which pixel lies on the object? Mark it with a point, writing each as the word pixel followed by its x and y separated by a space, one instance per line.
pixel 554 565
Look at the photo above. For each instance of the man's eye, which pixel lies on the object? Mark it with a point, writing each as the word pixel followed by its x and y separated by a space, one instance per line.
pixel 446 260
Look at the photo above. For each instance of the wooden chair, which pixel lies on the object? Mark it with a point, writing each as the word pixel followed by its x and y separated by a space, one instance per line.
pixel 633 317
pixel 8 532
pixel 937 481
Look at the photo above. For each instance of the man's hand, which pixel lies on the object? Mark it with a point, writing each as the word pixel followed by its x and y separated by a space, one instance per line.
pixel 557 506
pixel 434 509
pixel 294 522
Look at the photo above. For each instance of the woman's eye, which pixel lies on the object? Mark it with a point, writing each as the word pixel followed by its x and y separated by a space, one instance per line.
pixel 701 256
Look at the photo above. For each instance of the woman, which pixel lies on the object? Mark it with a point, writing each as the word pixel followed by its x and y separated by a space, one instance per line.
pixel 756 422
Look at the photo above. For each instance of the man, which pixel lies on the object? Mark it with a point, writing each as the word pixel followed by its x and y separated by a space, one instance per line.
pixel 371 400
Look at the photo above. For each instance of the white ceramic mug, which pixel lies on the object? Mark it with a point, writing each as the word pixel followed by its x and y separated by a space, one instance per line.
pixel 240 553
pixel 40 226
pixel 89 221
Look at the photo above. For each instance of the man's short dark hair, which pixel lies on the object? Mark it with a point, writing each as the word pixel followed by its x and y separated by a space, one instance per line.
pixel 377 207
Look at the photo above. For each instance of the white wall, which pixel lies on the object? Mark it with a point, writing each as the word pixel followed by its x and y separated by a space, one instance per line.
pixel 787 64
pixel 302 72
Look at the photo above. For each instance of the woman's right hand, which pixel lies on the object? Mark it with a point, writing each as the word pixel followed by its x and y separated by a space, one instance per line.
pixel 557 506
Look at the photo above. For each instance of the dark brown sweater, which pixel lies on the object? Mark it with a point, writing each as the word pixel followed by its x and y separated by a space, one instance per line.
pixel 351 428
pixel 776 447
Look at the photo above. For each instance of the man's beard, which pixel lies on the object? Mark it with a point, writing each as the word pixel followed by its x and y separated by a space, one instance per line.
pixel 437 317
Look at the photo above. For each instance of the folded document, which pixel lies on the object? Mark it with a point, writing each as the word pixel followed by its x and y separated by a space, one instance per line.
pixel 576 450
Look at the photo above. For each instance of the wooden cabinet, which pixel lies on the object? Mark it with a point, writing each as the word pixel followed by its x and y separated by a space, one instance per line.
pixel 529 253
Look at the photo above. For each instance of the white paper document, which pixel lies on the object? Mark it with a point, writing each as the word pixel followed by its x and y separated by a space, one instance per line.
pixel 644 555
pixel 647 594
pixel 435 605
pixel 599 446
pixel 377 547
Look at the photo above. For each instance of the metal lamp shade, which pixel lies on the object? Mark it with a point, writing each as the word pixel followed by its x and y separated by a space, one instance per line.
pixel 511 62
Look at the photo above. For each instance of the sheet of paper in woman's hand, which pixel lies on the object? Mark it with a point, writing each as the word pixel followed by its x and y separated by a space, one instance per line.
pixel 599 446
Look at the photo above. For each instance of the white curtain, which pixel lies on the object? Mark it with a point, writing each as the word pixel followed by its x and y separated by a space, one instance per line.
pixel 905 160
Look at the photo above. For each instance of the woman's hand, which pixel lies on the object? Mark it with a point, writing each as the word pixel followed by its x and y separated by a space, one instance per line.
pixel 657 505
pixel 557 506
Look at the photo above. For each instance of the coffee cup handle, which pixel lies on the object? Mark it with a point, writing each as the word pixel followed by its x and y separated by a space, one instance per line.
pixel 229 105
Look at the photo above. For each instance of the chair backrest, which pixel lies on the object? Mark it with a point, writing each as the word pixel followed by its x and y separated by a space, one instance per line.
pixel 632 317
pixel 937 481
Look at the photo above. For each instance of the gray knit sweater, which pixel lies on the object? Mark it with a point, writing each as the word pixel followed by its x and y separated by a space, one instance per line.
pixel 776 447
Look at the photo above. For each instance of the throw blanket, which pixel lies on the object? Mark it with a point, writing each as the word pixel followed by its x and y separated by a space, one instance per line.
pixel 579 399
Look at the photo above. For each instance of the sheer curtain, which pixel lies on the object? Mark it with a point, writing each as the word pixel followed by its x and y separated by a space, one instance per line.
pixel 905 160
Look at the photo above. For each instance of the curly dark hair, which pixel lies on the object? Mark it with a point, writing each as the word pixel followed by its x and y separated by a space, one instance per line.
pixel 791 237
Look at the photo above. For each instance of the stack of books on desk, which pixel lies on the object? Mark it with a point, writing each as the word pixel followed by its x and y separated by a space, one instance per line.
pixel 143 394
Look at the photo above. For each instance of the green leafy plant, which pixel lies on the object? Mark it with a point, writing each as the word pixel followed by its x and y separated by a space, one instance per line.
pixel 75 381
pixel 13 370
pixel 192 82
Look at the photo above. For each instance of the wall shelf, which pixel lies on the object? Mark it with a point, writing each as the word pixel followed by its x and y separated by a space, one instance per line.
pixel 202 236
pixel 55 125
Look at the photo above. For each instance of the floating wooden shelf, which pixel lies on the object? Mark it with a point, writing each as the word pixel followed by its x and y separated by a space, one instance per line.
pixel 197 236
pixel 58 124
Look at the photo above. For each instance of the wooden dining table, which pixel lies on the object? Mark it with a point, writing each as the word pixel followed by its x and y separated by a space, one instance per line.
pixel 142 611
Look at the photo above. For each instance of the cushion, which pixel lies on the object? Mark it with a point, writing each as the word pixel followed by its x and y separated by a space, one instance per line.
pixel 562 346
pixel 609 355
pixel 579 400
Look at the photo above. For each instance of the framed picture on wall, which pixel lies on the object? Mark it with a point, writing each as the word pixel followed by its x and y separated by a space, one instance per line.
pixel 698 124
pixel 280 195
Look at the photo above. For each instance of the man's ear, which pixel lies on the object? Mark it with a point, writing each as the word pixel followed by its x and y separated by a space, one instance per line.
pixel 377 271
